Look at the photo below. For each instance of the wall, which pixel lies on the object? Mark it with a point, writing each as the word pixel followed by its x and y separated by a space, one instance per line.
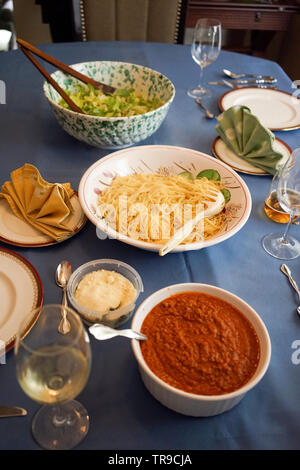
pixel 28 22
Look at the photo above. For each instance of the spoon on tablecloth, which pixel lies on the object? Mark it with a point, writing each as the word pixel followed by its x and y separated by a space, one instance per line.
pixel 62 275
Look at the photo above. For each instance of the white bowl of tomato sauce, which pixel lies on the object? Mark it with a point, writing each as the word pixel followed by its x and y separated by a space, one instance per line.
pixel 206 348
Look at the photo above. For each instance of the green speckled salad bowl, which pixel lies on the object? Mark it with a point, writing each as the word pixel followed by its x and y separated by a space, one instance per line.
pixel 113 132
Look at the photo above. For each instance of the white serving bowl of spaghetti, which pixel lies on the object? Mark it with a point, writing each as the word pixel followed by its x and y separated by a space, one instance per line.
pixel 135 176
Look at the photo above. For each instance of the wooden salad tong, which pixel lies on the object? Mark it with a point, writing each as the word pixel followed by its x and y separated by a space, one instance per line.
pixel 28 49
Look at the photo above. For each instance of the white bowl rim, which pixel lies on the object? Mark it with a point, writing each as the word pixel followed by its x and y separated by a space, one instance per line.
pixel 226 396
pixel 105 118
pixel 156 246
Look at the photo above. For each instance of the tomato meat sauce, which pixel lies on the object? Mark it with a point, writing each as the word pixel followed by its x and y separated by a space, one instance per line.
pixel 200 344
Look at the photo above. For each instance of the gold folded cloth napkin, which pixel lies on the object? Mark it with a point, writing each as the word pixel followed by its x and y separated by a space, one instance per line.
pixel 45 206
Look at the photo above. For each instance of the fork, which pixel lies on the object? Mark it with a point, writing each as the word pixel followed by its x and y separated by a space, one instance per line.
pixel 293 283
pixel 208 114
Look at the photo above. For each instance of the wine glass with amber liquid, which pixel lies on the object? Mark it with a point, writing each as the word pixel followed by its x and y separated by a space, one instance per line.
pixel 272 207
pixel 53 368
pixel 286 196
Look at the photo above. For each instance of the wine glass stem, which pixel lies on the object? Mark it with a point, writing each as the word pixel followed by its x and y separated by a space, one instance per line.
pixel 284 236
pixel 201 77
pixel 59 419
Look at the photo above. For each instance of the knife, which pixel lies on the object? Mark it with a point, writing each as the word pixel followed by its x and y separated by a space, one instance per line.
pixel 7 411
pixel 252 80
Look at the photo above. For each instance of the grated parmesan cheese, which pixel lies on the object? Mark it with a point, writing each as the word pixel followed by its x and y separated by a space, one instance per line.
pixel 103 291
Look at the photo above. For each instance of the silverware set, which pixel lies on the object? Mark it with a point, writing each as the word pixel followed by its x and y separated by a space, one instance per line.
pixel 241 80
pixel 236 85
pixel 251 81
pixel 241 75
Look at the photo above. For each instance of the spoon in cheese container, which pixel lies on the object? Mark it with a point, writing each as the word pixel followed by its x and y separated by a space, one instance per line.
pixel 103 332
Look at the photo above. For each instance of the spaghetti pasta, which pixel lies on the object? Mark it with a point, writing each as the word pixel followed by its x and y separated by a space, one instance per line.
pixel 151 207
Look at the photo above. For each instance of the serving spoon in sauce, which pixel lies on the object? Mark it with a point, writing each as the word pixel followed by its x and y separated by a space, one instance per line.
pixel 103 332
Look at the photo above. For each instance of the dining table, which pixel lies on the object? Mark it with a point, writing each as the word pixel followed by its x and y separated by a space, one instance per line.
pixel 123 414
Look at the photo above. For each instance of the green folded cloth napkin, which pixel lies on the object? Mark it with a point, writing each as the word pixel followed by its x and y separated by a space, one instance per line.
pixel 244 134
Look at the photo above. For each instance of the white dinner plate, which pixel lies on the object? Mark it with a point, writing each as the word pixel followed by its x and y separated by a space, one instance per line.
pixel 221 151
pixel 21 292
pixel 169 160
pixel 276 109
pixel 17 232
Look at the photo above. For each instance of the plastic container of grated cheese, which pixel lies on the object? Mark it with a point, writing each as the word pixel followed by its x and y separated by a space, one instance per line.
pixel 114 317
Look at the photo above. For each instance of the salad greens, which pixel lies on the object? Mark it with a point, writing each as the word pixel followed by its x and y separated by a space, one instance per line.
pixel 123 102
pixel 210 175
pixel 226 194
pixel 213 175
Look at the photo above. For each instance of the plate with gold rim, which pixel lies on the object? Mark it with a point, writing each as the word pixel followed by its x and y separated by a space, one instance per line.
pixel 223 153
pixel 277 110
pixel 17 232
pixel 21 292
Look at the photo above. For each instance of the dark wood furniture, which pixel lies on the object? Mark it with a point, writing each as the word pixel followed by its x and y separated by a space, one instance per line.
pixel 267 17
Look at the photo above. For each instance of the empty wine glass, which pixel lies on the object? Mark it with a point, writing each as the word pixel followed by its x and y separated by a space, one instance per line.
pixel 288 195
pixel 52 368
pixel 205 49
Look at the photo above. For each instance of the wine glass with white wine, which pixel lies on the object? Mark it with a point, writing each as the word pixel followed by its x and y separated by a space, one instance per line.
pixel 53 368
pixel 284 246
pixel 205 49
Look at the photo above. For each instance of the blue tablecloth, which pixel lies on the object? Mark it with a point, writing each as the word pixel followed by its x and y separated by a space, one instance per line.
pixel 123 414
